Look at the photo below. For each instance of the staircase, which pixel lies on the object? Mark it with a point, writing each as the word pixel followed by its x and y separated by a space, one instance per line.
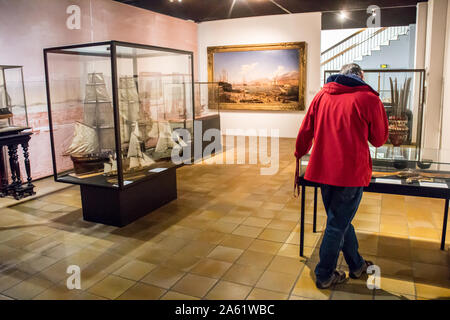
pixel 360 44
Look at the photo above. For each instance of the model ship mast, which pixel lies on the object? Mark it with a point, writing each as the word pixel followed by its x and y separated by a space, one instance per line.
pixel 93 139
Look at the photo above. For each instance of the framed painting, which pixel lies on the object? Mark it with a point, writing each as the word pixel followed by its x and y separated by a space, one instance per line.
pixel 265 77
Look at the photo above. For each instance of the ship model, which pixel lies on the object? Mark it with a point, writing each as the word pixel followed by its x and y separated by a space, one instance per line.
pixel 93 140
pixel 93 144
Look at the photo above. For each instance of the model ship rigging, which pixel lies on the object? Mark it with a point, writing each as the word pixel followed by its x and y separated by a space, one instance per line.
pixel 93 140
pixel 93 144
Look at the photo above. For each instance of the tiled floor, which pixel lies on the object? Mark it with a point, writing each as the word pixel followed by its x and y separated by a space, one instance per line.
pixel 232 234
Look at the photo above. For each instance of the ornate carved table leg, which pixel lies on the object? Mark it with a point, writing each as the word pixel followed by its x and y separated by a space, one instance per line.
pixel 3 175
pixel 26 156
pixel 12 149
pixel 15 171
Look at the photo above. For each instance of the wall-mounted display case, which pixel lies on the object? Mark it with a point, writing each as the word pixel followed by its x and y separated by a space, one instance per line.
pixel 402 93
pixel 116 114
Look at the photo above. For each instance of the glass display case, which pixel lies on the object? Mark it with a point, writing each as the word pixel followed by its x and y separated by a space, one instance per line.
pixel 206 99
pixel 13 107
pixel 114 119
pixel 402 93
pixel 207 114
pixel 120 113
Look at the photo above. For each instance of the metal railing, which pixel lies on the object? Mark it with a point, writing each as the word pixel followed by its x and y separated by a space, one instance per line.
pixel 360 44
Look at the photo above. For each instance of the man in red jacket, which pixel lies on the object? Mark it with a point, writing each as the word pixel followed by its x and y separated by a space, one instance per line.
pixel 342 118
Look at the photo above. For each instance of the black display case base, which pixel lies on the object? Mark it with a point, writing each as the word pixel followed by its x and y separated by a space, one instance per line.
pixel 209 122
pixel 118 208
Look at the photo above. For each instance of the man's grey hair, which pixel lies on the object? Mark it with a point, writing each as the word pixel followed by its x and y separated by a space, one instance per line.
pixel 351 68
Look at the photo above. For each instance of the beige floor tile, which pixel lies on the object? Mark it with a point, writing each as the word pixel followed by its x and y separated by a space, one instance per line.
pixel 306 287
pixel 261 294
pixel 225 290
pixel 134 270
pixel 198 248
pixel 211 268
pixel 265 246
pixel 290 250
pixel 226 254
pixel 430 272
pixel 392 296
pixel 274 235
pixel 58 292
pixel 256 222
pixel 433 291
pixel 163 277
pixel 194 285
pixel 397 285
pixel 223 227
pixel 276 281
pixel 22 240
pixel 242 274
pixel 238 242
pixel 282 225
pixel 287 265
pixel 255 259
pixel 172 295
pixel 111 287
pixel 142 291
pixel 28 288
pixel 212 237
pixel 183 261
pixel 12 277
pixel 247 231
pixel 431 256
pixel 395 267
pixel 36 264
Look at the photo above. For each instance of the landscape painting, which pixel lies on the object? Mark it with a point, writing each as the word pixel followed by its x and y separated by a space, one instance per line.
pixel 261 77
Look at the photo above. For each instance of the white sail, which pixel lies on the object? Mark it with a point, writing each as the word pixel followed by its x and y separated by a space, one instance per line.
pixel 165 140
pixel 154 131
pixel 135 154
pixel 85 140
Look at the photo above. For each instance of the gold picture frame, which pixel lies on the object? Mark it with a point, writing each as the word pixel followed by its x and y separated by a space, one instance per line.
pixel 260 101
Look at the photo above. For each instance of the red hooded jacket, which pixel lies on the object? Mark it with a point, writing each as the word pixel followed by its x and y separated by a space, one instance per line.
pixel 342 118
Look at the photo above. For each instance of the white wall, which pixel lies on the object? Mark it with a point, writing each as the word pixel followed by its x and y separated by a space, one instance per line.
pixel 258 30
pixel 445 135
pixel 330 37
pixel 434 64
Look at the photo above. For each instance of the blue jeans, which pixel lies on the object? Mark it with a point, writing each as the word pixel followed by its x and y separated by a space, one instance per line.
pixel 341 204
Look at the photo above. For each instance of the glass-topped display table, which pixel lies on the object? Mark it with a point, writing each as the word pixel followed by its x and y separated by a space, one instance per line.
pixel 421 178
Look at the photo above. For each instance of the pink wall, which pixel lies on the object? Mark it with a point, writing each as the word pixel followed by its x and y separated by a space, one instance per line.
pixel 28 26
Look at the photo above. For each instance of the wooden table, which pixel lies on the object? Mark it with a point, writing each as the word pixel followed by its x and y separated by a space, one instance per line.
pixel 12 139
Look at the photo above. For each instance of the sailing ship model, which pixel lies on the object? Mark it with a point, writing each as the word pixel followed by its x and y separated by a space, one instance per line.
pixel 93 143
pixel 93 139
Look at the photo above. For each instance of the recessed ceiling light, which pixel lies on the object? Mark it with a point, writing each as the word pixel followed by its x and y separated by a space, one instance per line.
pixel 343 15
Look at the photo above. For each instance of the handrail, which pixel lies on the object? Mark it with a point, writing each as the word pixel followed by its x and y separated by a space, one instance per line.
pixel 342 41
pixel 354 46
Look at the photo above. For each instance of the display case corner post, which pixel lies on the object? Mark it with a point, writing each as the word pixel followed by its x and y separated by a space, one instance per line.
pixel 49 109
pixel 114 80
pixel 191 55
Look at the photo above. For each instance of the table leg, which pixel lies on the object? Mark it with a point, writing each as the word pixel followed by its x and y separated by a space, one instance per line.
pixel 302 221
pixel 315 211
pixel 12 150
pixel 3 174
pixel 26 157
pixel 444 228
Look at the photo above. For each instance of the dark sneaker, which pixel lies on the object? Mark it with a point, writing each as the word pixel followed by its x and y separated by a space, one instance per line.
pixel 337 278
pixel 360 272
